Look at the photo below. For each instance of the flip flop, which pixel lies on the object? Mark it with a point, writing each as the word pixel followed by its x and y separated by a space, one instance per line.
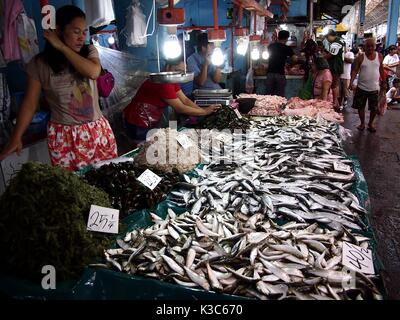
pixel 371 129
pixel 361 128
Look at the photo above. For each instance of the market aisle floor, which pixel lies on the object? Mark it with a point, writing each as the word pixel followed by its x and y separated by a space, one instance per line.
pixel 380 159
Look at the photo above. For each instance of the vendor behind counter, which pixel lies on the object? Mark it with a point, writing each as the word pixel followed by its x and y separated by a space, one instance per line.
pixel 152 100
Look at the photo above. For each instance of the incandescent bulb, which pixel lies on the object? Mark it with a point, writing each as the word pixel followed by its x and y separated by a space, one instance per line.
pixel 242 48
pixel 217 58
pixel 111 40
pixel 265 55
pixel 172 48
pixel 255 54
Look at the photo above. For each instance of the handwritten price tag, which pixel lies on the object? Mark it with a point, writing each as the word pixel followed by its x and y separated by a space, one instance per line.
pixel 238 113
pixel 184 141
pixel 357 258
pixel 104 220
pixel 338 166
pixel 150 179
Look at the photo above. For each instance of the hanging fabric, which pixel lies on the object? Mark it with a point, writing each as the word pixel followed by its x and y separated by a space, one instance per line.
pixel 10 45
pixel 136 26
pixel 99 12
pixel 27 38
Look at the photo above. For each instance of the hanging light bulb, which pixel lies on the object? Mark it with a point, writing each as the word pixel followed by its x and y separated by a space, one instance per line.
pixel 265 54
pixel 255 54
pixel 172 48
pixel 111 40
pixel 217 58
pixel 243 45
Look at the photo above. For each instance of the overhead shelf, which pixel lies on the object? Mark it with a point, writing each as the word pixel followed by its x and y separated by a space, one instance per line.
pixel 252 5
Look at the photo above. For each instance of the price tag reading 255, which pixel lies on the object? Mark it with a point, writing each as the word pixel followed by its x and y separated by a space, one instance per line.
pixel 104 220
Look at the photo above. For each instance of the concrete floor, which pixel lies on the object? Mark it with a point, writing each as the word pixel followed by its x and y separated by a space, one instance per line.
pixel 379 155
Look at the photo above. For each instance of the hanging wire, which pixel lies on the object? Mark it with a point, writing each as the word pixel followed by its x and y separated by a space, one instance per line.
pixel 152 14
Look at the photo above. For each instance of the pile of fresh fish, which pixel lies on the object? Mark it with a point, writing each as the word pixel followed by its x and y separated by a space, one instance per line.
pixel 291 168
pixel 244 256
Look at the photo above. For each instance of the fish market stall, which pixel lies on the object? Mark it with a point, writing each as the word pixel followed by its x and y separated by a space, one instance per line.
pixel 271 224
pixel 294 83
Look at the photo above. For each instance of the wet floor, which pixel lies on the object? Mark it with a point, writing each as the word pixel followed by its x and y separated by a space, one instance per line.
pixel 379 154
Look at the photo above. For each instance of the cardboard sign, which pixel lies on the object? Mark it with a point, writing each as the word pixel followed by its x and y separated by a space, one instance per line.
pixel 357 258
pixel 150 179
pixel 341 167
pixel 184 141
pixel 104 220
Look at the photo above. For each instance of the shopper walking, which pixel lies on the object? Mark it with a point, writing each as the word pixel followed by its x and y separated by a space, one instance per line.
pixel 334 53
pixel 371 79
pixel 279 52
pixel 390 64
pixel 345 78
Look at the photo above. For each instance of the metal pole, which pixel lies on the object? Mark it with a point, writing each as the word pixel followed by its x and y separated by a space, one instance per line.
pixel 184 48
pixel 393 18
pixel 311 18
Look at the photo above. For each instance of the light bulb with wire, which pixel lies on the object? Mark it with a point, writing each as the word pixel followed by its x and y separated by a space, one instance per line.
pixel 172 48
pixel 265 54
pixel 111 40
pixel 217 58
pixel 255 54
pixel 242 47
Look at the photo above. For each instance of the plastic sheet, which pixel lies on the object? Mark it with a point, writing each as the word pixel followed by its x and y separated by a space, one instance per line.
pixel 128 71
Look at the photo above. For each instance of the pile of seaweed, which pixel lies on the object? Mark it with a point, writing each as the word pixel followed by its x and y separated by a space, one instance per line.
pixel 225 118
pixel 43 221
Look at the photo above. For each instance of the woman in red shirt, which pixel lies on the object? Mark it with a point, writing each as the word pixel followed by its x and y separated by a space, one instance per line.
pixel 148 106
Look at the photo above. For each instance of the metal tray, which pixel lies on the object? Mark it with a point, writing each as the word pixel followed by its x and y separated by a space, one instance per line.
pixel 212 93
pixel 171 77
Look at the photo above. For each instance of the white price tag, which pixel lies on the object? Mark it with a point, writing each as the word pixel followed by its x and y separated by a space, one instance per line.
pixel 150 179
pixel 104 220
pixel 184 141
pixel 238 113
pixel 357 258
pixel 341 167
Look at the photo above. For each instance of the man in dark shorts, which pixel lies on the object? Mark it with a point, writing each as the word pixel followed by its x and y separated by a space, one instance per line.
pixel 371 79
pixel 334 53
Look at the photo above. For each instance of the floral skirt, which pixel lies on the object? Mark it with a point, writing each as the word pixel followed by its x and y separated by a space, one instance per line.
pixel 75 147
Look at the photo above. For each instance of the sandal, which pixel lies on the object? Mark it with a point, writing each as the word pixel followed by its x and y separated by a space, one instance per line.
pixel 361 128
pixel 371 129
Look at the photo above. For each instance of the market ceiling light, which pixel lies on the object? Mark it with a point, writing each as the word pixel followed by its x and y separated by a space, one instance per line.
pixel 217 58
pixel 325 30
pixel 242 46
pixel 172 48
pixel 111 40
pixel 255 54
pixel 265 54
pixel 284 26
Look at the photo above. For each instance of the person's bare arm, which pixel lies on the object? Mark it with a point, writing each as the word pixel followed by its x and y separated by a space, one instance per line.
pixel 24 119
pixel 326 86
pixel 190 111
pixel 356 70
pixel 348 60
pixel 89 68
pixel 185 100
pixel 217 75
pixel 382 73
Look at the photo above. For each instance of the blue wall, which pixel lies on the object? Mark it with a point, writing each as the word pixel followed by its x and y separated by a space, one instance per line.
pixel 198 13
pixel 297 8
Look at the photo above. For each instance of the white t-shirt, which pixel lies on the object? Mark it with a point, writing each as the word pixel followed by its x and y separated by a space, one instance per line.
pixel 390 60
pixel 347 66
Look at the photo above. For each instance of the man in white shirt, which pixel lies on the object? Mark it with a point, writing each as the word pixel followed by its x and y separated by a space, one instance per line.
pixel 345 77
pixel 390 64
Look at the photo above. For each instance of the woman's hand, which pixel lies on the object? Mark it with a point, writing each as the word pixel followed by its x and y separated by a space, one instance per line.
pixel 52 37
pixel 15 145
pixel 352 87
pixel 212 109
